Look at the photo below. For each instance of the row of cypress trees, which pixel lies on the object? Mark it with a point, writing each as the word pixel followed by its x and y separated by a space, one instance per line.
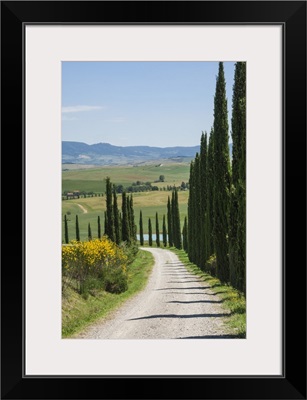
pixel 164 232
pixel 216 223
pixel 89 229
pixel 171 233
pixel 119 226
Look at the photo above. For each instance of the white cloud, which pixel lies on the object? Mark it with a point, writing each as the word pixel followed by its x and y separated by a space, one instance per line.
pixel 65 118
pixel 76 109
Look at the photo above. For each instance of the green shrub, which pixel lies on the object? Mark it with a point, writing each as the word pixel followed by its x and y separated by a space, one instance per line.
pixel 130 251
pixel 115 280
pixel 211 265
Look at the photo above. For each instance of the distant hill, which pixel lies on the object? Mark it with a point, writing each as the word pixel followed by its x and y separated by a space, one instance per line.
pixel 107 154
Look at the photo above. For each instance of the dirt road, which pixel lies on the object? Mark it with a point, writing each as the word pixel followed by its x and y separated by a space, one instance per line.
pixel 82 208
pixel 174 305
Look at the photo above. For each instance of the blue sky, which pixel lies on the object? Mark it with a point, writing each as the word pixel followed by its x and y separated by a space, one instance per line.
pixel 140 103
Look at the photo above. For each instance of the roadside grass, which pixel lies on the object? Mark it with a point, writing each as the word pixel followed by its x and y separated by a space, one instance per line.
pixel 232 299
pixel 78 312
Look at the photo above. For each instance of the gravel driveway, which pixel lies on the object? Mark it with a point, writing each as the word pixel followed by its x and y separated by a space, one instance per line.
pixel 174 305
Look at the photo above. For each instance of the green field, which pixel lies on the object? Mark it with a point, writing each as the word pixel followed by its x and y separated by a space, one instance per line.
pixel 93 179
pixel 149 202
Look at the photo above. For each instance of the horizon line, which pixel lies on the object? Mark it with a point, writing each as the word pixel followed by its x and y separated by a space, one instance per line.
pixel 136 145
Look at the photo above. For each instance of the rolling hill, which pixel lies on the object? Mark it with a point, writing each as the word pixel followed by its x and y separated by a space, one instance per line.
pixel 107 154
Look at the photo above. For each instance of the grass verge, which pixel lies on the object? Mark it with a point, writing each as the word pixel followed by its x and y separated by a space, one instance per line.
pixel 232 299
pixel 78 312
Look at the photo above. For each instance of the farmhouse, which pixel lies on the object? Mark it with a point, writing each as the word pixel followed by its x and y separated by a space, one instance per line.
pixel 73 195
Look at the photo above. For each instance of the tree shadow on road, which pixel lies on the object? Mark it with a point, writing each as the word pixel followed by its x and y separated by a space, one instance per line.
pixel 212 337
pixel 185 282
pixel 195 302
pixel 186 288
pixel 219 315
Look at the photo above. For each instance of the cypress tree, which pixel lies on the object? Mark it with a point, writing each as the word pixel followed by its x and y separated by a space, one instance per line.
pixel 129 218
pixel 157 231
pixel 174 231
pixel 66 229
pixel 197 213
pixel 203 201
pixel 221 177
pixel 141 229
pixel 109 213
pixel 120 225
pixel 210 194
pixel 105 222
pixel 164 232
pixel 99 227
pixel 77 229
pixel 185 235
pixel 169 223
pixel 242 183
pixel 149 233
pixel 89 232
pixel 117 235
pixel 125 219
pixel 132 222
pixel 176 220
pixel 237 226
pixel 191 216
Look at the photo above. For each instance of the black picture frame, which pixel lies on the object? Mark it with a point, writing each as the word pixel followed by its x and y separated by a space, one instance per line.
pixel 292 16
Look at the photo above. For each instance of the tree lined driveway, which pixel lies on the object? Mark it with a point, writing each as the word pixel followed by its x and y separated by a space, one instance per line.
pixel 174 305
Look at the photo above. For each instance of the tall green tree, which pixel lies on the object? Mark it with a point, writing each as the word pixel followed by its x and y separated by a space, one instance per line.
pixel 191 215
pixel 210 194
pixel 132 221
pixel 198 220
pixel 89 232
pixel 221 176
pixel 99 227
pixel 117 233
pixel 141 229
pixel 173 219
pixel 203 188
pixel 109 211
pixel 195 216
pixel 170 223
pixel 105 222
pixel 185 235
pixel 157 231
pixel 164 232
pixel 149 232
pixel 66 229
pixel 179 242
pixel 237 226
pixel 120 225
pixel 176 220
pixel 129 216
pixel 77 229
pixel 125 219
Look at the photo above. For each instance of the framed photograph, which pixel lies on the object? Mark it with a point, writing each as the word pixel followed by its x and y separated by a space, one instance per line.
pixel 80 73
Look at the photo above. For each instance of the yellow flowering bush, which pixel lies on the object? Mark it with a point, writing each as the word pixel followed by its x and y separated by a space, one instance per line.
pixel 99 258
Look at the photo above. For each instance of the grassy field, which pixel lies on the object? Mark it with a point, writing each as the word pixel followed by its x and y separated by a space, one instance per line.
pixel 93 179
pixel 77 312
